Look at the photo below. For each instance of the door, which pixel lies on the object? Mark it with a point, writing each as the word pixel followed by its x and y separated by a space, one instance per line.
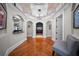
pixel 59 28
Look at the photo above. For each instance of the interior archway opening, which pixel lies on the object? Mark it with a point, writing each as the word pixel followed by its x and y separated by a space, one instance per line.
pixel 39 29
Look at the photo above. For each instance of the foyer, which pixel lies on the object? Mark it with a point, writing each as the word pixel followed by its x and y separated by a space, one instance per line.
pixel 32 29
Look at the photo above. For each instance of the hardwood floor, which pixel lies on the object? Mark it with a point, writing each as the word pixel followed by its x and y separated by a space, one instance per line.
pixel 38 46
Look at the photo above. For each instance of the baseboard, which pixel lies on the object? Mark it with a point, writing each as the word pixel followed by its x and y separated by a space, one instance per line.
pixel 13 47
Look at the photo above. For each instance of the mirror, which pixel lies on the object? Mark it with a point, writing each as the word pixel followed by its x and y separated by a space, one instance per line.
pixel 18 24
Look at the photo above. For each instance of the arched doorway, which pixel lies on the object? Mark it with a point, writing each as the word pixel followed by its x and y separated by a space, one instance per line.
pixel 48 29
pixel 29 29
pixel 39 28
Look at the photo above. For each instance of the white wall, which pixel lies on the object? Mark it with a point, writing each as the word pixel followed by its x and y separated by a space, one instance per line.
pixel 7 38
pixel 66 22
pixel 75 31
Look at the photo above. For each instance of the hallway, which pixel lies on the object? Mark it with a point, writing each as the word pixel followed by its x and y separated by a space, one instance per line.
pixel 21 25
pixel 38 46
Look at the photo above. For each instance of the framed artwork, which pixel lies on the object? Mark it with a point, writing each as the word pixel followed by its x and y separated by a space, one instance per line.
pixel 3 16
pixel 76 18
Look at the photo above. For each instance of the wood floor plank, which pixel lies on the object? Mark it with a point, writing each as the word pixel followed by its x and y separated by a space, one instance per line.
pixel 34 47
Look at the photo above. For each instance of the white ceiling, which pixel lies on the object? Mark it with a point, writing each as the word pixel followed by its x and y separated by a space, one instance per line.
pixel 33 8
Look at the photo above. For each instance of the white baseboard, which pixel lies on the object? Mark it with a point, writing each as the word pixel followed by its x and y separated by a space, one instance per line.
pixel 13 47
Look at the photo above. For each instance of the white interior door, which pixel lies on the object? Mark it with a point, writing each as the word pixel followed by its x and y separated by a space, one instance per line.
pixel 59 28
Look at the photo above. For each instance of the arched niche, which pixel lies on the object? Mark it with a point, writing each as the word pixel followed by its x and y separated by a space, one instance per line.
pixel 29 29
pixel 49 29
pixel 18 24
pixel 39 28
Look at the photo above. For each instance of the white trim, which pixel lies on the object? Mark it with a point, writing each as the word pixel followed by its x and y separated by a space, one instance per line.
pixel 34 29
pixel 63 26
pixel 13 47
pixel 55 29
pixel 44 29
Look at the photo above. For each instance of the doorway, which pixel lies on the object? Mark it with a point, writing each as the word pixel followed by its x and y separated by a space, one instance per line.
pixel 39 28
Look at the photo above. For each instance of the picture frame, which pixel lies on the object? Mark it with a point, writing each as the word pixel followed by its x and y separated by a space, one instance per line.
pixel 76 18
pixel 3 16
